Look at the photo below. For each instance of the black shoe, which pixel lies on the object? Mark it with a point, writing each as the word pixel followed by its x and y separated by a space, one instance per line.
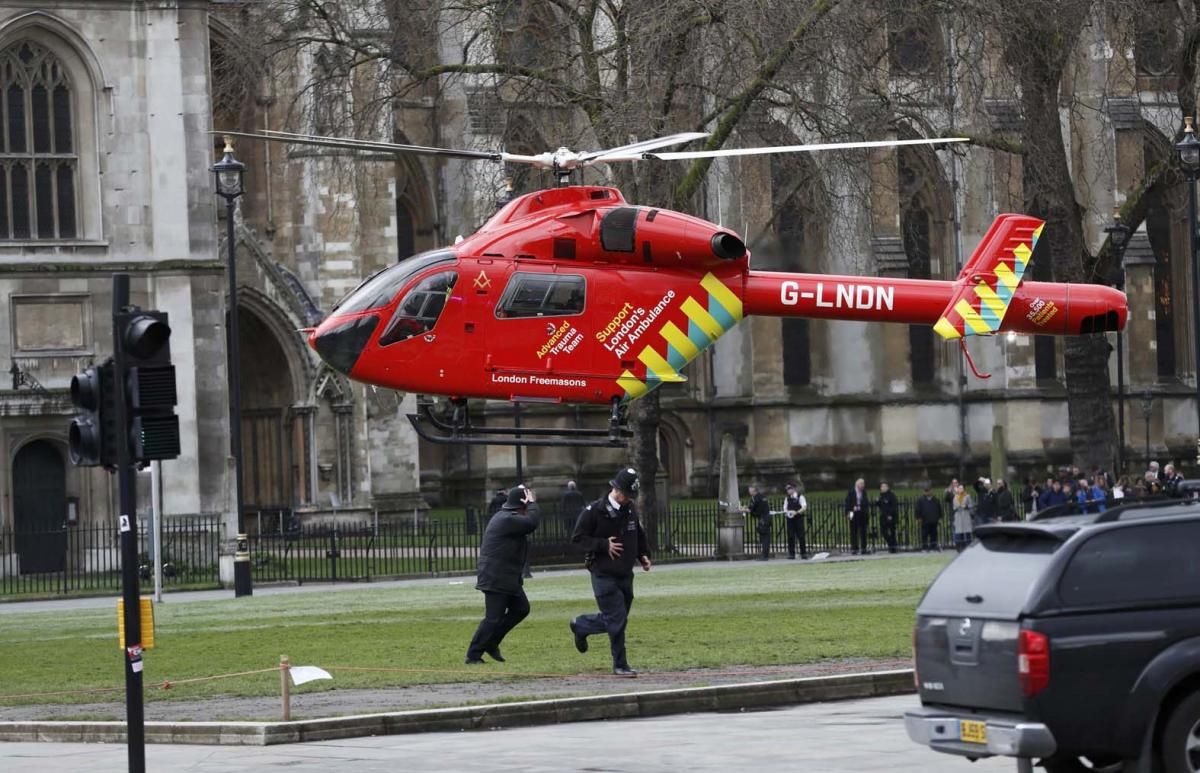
pixel 580 638
pixel 494 653
pixel 470 661
pixel 626 672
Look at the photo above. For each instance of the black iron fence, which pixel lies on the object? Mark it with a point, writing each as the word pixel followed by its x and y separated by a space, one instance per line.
pixel 333 549
pixel 88 558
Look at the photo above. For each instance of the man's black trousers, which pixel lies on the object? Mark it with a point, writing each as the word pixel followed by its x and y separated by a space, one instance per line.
pixel 614 597
pixel 501 613
pixel 929 536
pixel 858 532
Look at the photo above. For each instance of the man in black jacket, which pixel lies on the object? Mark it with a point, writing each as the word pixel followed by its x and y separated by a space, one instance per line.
pixel 570 504
pixel 760 511
pixel 609 530
pixel 501 560
pixel 929 512
pixel 889 515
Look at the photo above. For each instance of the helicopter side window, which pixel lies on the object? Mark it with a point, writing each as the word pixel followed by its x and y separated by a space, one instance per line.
pixel 418 312
pixel 542 295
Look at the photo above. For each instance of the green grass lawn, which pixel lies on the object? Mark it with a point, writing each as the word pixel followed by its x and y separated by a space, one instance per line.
pixel 740 614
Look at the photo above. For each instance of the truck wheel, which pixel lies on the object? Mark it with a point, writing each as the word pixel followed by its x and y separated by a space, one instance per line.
pixel 1181 737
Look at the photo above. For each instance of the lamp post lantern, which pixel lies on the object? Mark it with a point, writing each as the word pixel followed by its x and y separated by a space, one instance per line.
pixel 1188 151
pixel 1118 236
pixel 230 176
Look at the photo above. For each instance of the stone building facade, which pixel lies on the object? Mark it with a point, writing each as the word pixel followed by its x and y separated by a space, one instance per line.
pixel 104 164
pixel 109 170
pixel 820 400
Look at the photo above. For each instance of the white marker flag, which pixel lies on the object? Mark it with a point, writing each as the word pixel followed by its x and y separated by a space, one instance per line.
pixel 302 674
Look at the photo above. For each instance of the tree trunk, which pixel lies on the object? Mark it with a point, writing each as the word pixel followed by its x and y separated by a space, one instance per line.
pixel 1039 55
pixel 644 417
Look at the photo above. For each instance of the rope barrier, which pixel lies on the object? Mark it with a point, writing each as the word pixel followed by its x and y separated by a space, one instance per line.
pixel 168 684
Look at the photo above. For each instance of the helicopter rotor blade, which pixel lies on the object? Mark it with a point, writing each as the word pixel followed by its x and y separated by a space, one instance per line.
pixel 691 154
pixel 637 148
pixel 371 145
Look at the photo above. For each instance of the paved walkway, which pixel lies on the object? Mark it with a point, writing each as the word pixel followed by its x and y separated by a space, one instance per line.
pixel 843 737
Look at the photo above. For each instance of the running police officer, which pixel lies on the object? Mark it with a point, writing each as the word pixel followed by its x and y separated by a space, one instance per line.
pixel 609 530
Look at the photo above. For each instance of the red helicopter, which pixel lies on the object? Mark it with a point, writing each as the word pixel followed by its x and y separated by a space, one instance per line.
pixel 573 295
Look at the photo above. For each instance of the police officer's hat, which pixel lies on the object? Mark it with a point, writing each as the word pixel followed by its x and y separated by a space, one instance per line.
pixel 626 481
pixel 516 497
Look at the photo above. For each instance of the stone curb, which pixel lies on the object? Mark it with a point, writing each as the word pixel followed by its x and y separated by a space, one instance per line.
pixel 655 703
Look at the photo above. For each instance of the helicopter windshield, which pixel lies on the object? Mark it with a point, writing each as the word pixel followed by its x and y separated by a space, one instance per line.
pixel 420 309
pixel 381 287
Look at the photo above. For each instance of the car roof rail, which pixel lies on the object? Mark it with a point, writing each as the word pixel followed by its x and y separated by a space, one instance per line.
pixel 1115 513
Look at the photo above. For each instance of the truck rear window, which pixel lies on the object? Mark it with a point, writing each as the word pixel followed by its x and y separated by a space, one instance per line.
pixel 992 577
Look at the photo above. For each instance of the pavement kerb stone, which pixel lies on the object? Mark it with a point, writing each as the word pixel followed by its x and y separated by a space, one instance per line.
pixel 652 703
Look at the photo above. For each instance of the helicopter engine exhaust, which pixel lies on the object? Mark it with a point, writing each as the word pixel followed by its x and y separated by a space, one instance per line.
pixel 726 246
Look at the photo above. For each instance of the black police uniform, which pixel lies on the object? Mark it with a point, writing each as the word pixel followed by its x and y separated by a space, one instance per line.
pixel 502 557
pixel 760 509
pixel 889 513
pixel 612 578
pixel 795 526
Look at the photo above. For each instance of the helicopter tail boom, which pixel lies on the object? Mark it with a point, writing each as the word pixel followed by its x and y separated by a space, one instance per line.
pixel 1036 308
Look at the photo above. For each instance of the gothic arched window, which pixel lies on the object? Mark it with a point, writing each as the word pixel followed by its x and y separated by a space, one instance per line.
pixel 38 158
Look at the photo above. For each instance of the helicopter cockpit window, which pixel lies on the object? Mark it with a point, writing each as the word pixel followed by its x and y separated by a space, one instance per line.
pixel 542 295
pixel 379 289
pixel 420 308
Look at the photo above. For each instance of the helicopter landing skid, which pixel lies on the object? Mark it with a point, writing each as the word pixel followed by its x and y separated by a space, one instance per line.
pixel 459 430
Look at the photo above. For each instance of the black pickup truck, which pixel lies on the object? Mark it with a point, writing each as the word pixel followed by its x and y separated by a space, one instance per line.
pixel 1073 641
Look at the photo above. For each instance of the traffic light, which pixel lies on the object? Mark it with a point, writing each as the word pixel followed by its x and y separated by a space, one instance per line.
pixel 92 438
pixel 150 396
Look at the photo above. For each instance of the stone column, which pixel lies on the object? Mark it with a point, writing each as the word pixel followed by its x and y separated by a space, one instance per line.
pixel 731 522
pixel 1140 336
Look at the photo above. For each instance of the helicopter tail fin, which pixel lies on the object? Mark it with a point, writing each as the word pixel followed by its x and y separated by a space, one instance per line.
pixel 986 284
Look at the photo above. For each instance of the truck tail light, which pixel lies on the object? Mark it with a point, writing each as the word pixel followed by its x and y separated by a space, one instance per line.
pixel 916 678
pixel 1033 662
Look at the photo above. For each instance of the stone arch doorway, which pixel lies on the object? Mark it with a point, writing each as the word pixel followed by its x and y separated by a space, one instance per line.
pixel 275 430
pixel 39 476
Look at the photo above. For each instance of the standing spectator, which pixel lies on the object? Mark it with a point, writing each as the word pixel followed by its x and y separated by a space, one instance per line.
pixel 1029 497
pixel 795 509
pixel 1119 490
pixel 498 500
pixel 985 510
pixel 760 511
pixel 501 557
pixel 948 494
pixel 929 512
pixel 1152 472
pixel 1083 496
pixel 613 536
pixel 1006 508
pixel 1097 495
pixel 570 503
pixel 964 517
pixel 856 511
pixel 1171 480
pixel 889 514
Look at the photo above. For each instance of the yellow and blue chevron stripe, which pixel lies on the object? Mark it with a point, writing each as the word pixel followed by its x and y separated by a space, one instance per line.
pixel 986 288
pixel 707 321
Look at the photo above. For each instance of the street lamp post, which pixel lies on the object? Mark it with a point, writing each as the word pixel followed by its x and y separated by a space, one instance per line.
pixel 1147 412
pixel 230 175
pixel 1188 150
pixel 1118 235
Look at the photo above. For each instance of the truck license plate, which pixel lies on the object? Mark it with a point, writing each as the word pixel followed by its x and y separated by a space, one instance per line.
pixel 972 731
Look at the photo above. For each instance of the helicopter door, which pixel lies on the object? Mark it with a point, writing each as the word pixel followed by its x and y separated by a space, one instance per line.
pixel 538 326
pixel 413 333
